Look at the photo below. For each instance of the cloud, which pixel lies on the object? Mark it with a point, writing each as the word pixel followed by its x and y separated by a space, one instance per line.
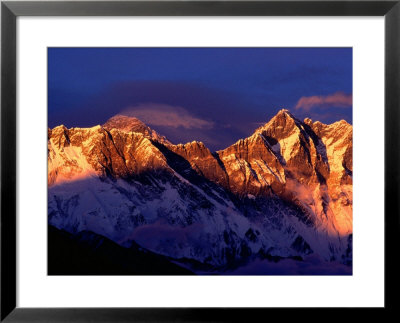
pixel 155 114
pixel 338 99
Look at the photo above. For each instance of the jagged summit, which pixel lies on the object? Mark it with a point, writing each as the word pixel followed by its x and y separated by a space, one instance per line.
pixel 342 122
pixel 131 124
pixel 308 121
pixel 283 119
pixel 284 111
pixel 285 191
pixel 284 122
pixel 125 123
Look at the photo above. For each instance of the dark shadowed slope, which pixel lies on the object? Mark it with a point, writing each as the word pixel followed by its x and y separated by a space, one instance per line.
pixel 88 253
pixel 285 191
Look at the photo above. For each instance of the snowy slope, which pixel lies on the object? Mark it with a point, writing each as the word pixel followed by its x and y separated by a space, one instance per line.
pixel 283 192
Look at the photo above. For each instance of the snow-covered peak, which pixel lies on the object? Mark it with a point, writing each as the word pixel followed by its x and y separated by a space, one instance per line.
pixel 341 123
pixel 284 111
pixel 193 143
pixel 293 181
pixel 284 119
pixel 131 124
pixel 125 123
pixel 58 129
pixel 308 121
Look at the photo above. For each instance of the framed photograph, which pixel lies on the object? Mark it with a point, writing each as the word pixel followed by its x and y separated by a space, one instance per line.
pixel 198 161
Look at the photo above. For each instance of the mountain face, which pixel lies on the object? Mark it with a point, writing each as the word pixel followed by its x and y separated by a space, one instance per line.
pixel 283 192
pixel 131 124
pixel 87 253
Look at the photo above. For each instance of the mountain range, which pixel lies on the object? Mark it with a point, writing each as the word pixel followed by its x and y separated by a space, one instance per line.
pixel 283 193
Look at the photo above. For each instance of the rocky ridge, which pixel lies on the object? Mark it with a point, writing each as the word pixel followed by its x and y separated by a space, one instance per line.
pixel 284 191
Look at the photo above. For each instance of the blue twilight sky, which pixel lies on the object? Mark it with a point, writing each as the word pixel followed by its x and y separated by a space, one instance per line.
pixel 216 95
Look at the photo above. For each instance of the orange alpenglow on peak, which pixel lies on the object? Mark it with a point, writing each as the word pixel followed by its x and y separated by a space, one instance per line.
pixel 132 124
pixel 125 123
pixel 283 110
pixel 308 121
pixel 303 167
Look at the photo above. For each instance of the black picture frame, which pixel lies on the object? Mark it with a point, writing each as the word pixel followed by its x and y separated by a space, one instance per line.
pixel 10 10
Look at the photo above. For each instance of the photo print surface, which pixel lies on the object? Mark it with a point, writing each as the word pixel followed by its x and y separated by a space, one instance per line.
pixel 200 161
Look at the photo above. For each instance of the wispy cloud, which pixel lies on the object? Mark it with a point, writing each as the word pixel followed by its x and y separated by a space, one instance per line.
pixel 155 114
pixel 338 99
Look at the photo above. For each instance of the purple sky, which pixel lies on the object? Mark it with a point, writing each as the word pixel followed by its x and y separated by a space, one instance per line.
pixel 216 95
